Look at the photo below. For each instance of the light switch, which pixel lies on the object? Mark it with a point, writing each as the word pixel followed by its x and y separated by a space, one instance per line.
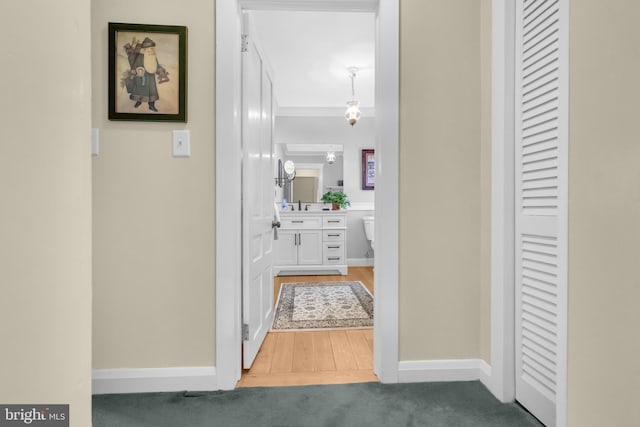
pixel 181 144
pixel 95 142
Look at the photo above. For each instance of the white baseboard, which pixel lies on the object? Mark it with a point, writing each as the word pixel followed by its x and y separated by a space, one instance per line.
pixel 109 381
pixel 444 370
pixel 360 262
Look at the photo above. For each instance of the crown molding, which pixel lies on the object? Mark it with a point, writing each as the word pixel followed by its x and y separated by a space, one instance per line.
pixel 320 111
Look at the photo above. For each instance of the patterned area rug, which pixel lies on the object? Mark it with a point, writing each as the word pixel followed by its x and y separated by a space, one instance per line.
pixel 326 305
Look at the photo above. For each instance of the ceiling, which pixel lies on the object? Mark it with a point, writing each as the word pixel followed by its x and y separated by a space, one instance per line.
pixel 310 54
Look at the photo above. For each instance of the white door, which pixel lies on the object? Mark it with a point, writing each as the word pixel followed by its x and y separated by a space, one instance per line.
pixel 541 205
pixel 257 200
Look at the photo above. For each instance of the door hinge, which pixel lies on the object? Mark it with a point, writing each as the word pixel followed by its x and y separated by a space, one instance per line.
pixel 245 332
pixel 244 43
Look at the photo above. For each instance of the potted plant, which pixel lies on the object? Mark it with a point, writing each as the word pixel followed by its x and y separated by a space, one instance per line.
pixel 338 199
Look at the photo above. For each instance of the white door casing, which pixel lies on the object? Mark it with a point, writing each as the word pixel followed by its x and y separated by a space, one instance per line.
pixel 541 154
pixel 257 199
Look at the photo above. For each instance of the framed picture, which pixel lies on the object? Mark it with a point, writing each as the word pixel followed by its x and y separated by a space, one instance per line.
pixel 147 72
pixel 368 169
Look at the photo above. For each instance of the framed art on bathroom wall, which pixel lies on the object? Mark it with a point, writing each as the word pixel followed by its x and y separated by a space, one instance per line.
pixel 368 169
pixel 147 72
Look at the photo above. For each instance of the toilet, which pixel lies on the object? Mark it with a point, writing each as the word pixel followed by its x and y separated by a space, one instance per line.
pixel 368 222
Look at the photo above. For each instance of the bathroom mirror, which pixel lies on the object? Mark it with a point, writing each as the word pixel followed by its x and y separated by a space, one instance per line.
pixel 314 176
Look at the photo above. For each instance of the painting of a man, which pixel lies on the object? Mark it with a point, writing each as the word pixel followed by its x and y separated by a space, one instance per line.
pixel 147 72
pixel 141 80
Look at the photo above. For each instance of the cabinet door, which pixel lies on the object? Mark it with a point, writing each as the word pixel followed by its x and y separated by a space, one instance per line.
pixel 309 247
pixel 286 247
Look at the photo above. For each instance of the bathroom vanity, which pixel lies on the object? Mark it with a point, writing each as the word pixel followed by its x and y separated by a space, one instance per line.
pixel 311 242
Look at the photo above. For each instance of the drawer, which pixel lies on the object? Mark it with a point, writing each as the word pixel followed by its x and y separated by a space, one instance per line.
pixel 333 249
pixel 301 221
pixel 333 259
pixel 333 235
pixel 331 221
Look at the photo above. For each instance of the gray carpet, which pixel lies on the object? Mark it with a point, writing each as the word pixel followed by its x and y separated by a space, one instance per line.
pixel 456 404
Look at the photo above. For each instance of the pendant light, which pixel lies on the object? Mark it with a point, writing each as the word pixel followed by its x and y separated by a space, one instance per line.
pixel 331 157
pixel 353 107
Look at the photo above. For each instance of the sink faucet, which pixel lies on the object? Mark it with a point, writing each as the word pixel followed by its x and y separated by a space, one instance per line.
pixel 306 207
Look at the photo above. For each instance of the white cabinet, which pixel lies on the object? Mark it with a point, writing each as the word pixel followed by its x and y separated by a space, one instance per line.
pixel 286 247
pixel 309 247
pixel 299 247
pixel 310 243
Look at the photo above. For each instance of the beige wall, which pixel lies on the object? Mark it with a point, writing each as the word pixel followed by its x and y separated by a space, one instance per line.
pixel 45 219
pixel 153 214
pixel 154 218
pixel 440 176
pixel 604 214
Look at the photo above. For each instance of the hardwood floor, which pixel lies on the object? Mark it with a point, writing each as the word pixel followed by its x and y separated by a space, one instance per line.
pixel 315 357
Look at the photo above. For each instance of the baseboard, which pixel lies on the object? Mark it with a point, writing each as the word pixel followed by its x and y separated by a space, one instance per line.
pixel 444 370
pixel 109 381
pixel 360 262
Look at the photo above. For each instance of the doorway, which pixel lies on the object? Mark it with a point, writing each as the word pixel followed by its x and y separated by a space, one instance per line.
pixel 228 176
pixel 310 69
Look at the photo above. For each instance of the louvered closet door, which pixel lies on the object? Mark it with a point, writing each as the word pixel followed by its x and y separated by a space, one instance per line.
pixel 541 204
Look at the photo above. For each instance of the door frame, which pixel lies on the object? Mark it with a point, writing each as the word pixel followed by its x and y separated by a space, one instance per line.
pixel 228 178
pixel 503 380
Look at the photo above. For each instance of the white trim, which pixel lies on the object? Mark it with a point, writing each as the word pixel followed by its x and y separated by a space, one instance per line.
pixel 228 164
pixel 563 216
pixel 412 371
pixel 502 383
pixel 312 5
pixel 109 381
pixel 228 178
pixel 386 325
pixel 360 262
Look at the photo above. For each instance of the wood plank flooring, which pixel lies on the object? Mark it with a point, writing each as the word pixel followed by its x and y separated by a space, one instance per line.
pixel 315 357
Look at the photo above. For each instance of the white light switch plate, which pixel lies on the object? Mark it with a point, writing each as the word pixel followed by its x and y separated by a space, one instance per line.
pixel 181 143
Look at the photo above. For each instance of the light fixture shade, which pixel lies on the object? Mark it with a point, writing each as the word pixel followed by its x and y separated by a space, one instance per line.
pixel 353 112
pixel 331 157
